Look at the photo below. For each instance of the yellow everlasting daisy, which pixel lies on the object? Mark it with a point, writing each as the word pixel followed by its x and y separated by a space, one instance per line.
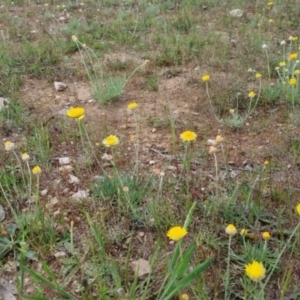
pixel 293 56
pixel 219 139
pixel 188 136
pixel 76 112
pixel 255 270
pixel 111 140
pixel 25 156
pixel 266 235
pixel 298 209
pixel 132 105
pixel 282 64
pixel 205 78
pixel 184 297
pixel 257 75
pixel 231 230
pixel 251 94
pixel 176 233
pixel 9 146
pixel 36 170
pixel 297 72
pixel 293 81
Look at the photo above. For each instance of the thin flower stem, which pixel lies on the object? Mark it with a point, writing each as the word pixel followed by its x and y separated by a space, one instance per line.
pixel 37 190
pixel 227 274
pixel 268 62
pixel 210 103
pixel 136 146
pixel 279 257
pixel 20 166
pixel 30 179
pixel 8 202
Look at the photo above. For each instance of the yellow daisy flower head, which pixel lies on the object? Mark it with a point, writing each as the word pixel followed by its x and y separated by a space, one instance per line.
pixel 266 162
pixel 293 38
pixel 184 297
pixel 219 139
pixel 231 110
pixel 9 146
pixel 251 94
pixel 212 150
pixel 76 112
pixel 293 56
pixel 293 81
pixel 271 21
pixel 36 170
pixel 176 233
pixel 111 140
pixel 297 72
pixel 231 230
pixel 266 235
pixel 298 209
pixel 132 105
pixel 270 3
pixel 244 232
pixel 188 136
pixel 74 38
pixel 205 78
pixel 257 75
pixel 255 270
pixel 25 156
pixel 282 64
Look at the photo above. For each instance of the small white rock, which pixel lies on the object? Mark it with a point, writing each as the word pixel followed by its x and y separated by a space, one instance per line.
pixel 66 169
pixel 73 179
pixel 151 162
pixel 64 160
pixel 60 254
pixel 59 86
pixel 81 194
pixel 44 192
pixel 237 13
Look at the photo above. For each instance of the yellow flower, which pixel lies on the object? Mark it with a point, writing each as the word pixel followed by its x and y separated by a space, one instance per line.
pixel 271 20
pixel 266 235
pixel 293 81
pixel 111 140
pixel 76 113
pixel 257 75
pixel 251 94
pixel 231 110
pixel 246 233
pixel 176 233
pixel 231 230
pixel 132 105
pixel 266 162
pixel 282 64
pixel 270 3
pixel 25 156
pixel 297 72
pixel 255 270
pixel 184 297
pixel 212 150
pixel 293 56
pixel 219 139
pixel 298 209
pixel 9 146
pixel 205 78
pixel 188 136
pixel 36 170
pixel 293 38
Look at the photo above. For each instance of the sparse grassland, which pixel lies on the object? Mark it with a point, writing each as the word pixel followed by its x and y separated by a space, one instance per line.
pixel 150 149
